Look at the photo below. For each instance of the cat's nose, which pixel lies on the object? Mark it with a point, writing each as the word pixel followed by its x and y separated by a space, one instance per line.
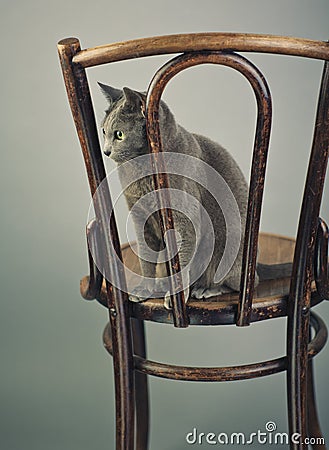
pixel 107 151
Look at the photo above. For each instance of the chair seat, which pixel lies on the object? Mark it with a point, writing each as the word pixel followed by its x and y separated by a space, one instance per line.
pixel 270 297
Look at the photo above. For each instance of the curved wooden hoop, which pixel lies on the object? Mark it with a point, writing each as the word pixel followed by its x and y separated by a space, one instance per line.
pixel 261 143
pixel 233 373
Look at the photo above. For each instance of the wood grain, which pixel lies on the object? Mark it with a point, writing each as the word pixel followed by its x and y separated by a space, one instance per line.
pixel 179 43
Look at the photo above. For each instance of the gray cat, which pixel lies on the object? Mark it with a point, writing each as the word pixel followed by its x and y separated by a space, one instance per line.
pixel 124 130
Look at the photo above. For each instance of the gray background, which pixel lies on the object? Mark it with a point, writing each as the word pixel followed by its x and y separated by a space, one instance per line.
pixel 56 386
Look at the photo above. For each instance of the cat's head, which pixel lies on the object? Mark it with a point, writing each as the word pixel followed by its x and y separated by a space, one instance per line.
pixel 124 125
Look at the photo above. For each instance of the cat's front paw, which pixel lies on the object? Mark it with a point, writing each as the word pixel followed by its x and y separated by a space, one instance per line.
pixel 202 293
pixel 140 294
pixel 167 298
pixel 167 301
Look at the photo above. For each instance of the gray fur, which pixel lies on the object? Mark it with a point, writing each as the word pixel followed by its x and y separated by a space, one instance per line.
pixel 125 114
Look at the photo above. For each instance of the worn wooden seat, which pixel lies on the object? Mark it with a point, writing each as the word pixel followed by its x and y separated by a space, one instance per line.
pixel 269 301
pixel 124 337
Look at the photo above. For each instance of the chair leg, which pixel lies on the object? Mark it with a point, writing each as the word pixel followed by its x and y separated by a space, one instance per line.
pixel 297 381
pixel 124 388
pixel 314 430
pixel 141 388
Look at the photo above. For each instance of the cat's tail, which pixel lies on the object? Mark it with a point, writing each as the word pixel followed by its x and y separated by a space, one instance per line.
pixel 273 271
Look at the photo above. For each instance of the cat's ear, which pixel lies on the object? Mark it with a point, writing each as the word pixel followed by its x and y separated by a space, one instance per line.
pixel 110 93
pixel 135 99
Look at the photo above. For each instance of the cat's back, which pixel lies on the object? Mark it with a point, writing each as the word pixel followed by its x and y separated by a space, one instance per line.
pixel 221 160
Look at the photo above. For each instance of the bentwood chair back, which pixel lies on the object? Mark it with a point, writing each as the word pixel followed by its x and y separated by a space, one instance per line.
pixel 294 297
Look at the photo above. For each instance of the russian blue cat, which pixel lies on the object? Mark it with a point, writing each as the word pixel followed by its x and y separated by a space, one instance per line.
pixel 124 130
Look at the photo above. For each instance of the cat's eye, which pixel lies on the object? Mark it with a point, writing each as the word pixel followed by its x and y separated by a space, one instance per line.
pixel 119 135
pixel 103 130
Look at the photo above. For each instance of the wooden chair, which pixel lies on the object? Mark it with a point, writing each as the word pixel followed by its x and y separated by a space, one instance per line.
pixel 293 297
